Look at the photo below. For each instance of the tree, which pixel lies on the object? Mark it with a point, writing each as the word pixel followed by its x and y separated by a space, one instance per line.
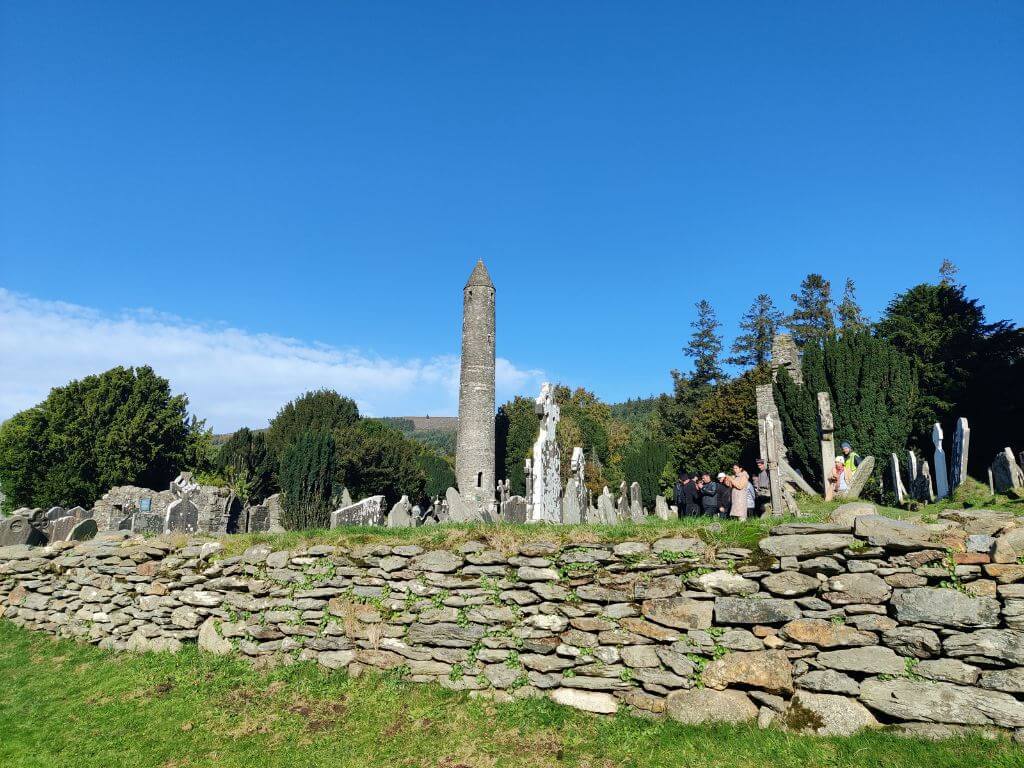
pixel 705 346
pixel 373 458
pixel 515 430
pixel 968 366
pixel 644 462
pixel 438 473
pixel 873 390
pixel 851 318
pixel 760 323
pixel 247 464
pixel 949 274
pixel 723 429
pixel 307 469
pixel 120 427
pixel 811 321
pixel 321 411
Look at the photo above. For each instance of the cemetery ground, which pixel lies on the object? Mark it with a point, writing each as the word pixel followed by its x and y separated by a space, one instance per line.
pixel 70 704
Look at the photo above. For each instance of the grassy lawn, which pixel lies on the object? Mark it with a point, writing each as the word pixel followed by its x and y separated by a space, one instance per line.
pixel 720 533
pixel 66 704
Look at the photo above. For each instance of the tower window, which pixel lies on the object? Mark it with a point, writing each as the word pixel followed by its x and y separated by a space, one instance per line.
pixel 479 479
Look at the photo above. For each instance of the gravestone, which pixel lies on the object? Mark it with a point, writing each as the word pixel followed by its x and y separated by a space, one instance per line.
pixel 182 517
pixel 547 469
pixel 606 514
pixel 897 479
pixel 346 498
pixel 17 530
pixel 860 478
pixel 929 486
pixel 914 471
pixel 150 523
pixel 79 513
pixel 56 513
pixel 1007 476
pixel 83 530
pixel 826 430
pixel 58 530
pixel 941 475
pixel 636 503
pixel 400 515
pixel 257 519
pixel 124 523
pixel 773 450
pixel 513 511
pixel 528 479
pixel 622 513
pixel 661 508
pixel 961 445
pixel 369 511
pixel 578 466
pixel 458 510
pixel 571 512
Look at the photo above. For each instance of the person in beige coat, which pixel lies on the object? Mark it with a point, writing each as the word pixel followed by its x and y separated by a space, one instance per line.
pixel 738 482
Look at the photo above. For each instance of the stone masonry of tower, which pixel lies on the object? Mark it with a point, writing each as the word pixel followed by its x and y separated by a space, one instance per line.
pixel 474 454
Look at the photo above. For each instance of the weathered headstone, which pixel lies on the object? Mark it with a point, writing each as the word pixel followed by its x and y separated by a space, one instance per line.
pixel 578 466
pixel 83 530
pixel 547 470
pixel 961 446
pixel 926 477
pixel 897 479
pixel 56 513
pixel 636 503
pixel 79 513
pixel 605 509
pixel 513 510
pixel 661 508
pixel 18 530
pixel 58 530
pixel 257 519
pixel 274 510
pixel 622 512
pixel 124 523
pixel 826 430
pixel 346 498
pixel 369 511
pixel 1006 474
pixel 773 450
pixel 860 478
pixel 941 475
pixel 400 515
pixel 182 517
pixel 571 512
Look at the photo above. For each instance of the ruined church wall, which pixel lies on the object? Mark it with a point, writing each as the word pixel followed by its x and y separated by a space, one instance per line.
pixel 861 622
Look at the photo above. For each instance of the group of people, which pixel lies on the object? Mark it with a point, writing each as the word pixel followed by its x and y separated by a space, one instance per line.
pixel 741 495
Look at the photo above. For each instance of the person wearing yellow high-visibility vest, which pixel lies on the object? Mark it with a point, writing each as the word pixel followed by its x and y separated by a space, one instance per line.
pixel 851 460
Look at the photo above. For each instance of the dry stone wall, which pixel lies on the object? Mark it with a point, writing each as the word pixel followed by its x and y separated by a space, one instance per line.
pixel 859 623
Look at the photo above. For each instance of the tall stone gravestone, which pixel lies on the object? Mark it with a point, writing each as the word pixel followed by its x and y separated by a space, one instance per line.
pixel 257 519
pixel 84 530
pixel 58 530
pixel 571 512
pixel 514 510
pixel 182 517
pixel 826 429
pixel 1007 475
pixel 941 475
pixel 961 445
pixel 661 508
pixel 636 503
pixel 897 479
pixel 547 470
pixel 400 515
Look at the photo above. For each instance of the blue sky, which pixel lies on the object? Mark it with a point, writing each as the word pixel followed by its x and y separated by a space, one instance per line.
pixel 260 198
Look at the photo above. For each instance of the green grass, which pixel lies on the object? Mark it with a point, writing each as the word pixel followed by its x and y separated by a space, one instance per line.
pixel 66 704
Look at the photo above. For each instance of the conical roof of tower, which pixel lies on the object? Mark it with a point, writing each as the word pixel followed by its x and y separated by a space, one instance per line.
pixel 480 276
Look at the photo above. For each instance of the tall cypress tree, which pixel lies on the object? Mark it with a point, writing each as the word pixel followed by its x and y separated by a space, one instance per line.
pixel 761 321
pixel 705 346
pixel 811 321
pixel 851 317
pixel 307 467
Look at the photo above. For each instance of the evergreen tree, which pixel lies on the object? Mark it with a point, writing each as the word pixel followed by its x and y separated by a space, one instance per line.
pixel 121 427
pixel 515 429
pixel 643 462
pixel 247 464
pixel 438 473
pixel 705 346
pixel 949 274
pixel 873 389
pixel 811 321
pixel 373 458
pixel 760 323
pixel 321 411
pixel 851 318
pixel 307 468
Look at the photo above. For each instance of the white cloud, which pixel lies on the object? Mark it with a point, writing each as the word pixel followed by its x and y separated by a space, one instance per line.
pixel 232 377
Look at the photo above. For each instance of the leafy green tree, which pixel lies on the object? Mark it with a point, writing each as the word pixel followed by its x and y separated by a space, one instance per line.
pixel 247 464
pixel 851 317
pixel 120 427
pixel 705 346
pixel 321 411
pixel 969 367
pixel 811 321
pixel 754 346
pixel 515 429
pixel 723 429
pixel 307 470
pixel 873 389
pixel 373 458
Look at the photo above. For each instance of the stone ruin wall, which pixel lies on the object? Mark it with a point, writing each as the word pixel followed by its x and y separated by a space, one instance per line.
pixel 862 622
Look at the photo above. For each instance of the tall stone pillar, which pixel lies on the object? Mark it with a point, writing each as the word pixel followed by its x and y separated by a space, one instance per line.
pixel 826 427
pixel 474 454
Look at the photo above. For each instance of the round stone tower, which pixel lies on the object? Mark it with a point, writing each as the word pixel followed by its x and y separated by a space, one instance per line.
pixel 474 454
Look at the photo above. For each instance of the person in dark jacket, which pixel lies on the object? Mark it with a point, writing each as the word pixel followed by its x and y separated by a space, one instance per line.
pixel 708 496
pixel 691 496
pixel 678 496
pixel 724 496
